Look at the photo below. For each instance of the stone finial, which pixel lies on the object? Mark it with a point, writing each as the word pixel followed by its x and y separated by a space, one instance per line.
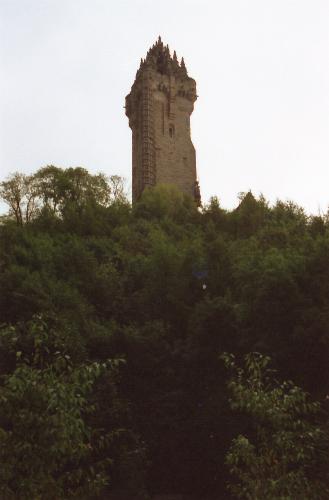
pixel 175 64
pixel 183 67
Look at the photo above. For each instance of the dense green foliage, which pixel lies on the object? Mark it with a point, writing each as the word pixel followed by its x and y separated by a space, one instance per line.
pixel 286 454
pixel 46 445
pixel 113 320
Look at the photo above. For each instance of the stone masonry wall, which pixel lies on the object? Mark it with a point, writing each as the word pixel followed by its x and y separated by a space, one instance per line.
pixel 175 153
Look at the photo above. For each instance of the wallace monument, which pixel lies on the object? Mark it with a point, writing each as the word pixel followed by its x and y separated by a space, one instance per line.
pixel 159 107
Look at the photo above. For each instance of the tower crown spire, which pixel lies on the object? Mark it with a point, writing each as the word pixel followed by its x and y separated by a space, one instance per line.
pixel 159 58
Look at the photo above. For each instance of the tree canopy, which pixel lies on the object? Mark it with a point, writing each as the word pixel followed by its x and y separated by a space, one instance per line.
pixel 113 321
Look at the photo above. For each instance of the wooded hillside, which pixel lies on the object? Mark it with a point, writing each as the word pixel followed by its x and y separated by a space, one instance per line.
pixel 114 324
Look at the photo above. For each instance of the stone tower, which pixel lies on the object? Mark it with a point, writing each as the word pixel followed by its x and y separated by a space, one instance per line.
pixel 159 107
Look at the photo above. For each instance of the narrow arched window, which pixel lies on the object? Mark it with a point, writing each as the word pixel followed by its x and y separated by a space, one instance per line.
pixel 171 131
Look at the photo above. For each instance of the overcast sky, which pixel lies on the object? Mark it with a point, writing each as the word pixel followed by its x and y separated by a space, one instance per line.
pixel 261 121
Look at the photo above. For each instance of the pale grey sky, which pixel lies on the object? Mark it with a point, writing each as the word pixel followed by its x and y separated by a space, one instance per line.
pixel 261 66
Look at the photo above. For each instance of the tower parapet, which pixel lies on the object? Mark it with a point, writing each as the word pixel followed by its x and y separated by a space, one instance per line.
pixel 159 107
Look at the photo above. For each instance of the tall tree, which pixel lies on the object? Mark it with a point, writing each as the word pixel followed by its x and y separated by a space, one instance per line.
pixel 20 192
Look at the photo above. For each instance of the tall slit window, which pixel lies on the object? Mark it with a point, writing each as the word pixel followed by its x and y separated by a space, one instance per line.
pixel 171 131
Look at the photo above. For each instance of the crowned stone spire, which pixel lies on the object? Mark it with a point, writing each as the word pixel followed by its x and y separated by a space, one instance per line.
pixel 158 57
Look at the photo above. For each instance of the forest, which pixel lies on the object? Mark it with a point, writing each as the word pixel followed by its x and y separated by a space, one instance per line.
pixel 160 348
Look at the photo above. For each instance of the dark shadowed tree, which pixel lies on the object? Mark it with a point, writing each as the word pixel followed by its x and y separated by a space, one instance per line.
pixel 285 454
